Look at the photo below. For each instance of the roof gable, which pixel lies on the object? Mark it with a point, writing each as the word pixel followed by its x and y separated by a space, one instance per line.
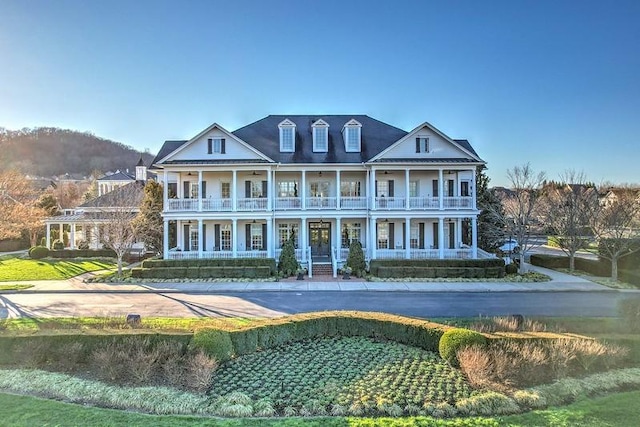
pixel 440 147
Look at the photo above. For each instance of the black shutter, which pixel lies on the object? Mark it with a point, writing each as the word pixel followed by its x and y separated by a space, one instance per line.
pixel 436 238
pixel 185 190
pixel 209 146
pixel 435 187
pixel 392 237
pixel 248 236
pixel 216 236
pixel 391 192
pixel 264 237
pixel 223 149
pixel 185 237
pixel 247 189
pixel 264 188
pixel 204 237
pixel 203 189
pixel 450 187
pixel 376 188
pixel 404 235
pixel 417 145
pixel 421 235
pixel 452 235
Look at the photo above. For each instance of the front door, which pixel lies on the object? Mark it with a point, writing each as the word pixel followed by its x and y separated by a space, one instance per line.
pixel 320 238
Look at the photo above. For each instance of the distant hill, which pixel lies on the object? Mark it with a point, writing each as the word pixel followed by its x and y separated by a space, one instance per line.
pixel 51 151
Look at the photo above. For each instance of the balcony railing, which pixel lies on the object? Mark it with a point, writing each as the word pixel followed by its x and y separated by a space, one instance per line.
pixel 321 202
pixel 252 204
pixel 463 202
pixel 182 205
pixel 390 203
pixel 424 203
pixel 286 203
pixel 222 205
pixel 423 253
pixel 353 203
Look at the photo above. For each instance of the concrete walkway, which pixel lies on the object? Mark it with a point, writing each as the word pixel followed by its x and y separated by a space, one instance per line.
pixel 560 282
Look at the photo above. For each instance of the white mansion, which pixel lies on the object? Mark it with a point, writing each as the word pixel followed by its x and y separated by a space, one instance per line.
pixel 327 180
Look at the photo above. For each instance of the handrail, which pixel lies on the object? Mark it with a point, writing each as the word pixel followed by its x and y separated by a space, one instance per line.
pixel 310 261
pixel 334 262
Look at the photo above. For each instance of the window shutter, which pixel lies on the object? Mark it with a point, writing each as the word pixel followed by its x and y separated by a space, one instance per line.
pixel 404 235
pixel 204 237
pixel 450 189
pixel 264 188
pixel 185 188
pixel 216 236
pixel 436 238
pixel 392 237
pixel 391 182
pixel 209 146
pixel 452 235
pixel 376 188
pixel 223 149
pixel 185 238
pixel 435 187
pixel 248 236
pixel 203 189
pixel 247 189
pixel 421 235
pixel 417 145
pixel 264 237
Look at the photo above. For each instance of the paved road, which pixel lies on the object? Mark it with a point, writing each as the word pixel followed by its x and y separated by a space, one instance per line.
pixel 273 304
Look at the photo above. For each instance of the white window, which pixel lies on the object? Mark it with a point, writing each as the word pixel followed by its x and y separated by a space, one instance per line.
pixel 320 189
pixel 351 132
pixel 217 145
pixel 382 189
pixel 287 136
pixel 422 145
pixel 287 189
pixel 193 238
pixel 256 189
pixel 320 136
pixel 413 188
pixel 225 190
pixel 351 232
pixel 383 235
pixel 194 190
pixel 256 237
pixel 225 237
pixel 285 231
pixel 350 188
pixel 414 236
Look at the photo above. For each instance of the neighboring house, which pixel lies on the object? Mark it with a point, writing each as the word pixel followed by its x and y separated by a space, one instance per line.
pixel 111 181
pixel 326 180
pixel 83 223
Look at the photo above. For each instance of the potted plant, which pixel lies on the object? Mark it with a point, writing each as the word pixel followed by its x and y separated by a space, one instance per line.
pixel 301 272
pixel 346 273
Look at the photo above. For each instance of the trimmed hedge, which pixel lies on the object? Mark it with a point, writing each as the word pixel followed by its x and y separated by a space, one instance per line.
pixel 601 268
pixel 224 262
pixel 38 252
pixel 201 272
pixel 457 339
pixel 82 253
pixel 470 268
pixel 213 342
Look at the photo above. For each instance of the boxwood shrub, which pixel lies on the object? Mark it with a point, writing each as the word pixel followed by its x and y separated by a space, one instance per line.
pixel 201 272
pixel 457 339
pixel 82 253
pixel 38 252
pixel 213 342
pixel 225 262
pixel 453 268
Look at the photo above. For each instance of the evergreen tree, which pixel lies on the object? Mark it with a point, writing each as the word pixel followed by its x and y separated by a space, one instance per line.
pixel 355 259
pixel 148 223
pixel 287 263
pixel 490 229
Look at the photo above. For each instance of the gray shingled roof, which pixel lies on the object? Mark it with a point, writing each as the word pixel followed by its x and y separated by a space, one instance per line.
pixel 118 176
pixel 116 197
pixel 167 148
pixel 427 160
pixel 264 135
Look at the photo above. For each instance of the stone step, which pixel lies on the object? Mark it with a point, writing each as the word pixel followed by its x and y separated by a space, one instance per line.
pixel 322 270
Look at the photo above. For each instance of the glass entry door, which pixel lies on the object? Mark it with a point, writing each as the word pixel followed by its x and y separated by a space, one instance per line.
pixel 320 238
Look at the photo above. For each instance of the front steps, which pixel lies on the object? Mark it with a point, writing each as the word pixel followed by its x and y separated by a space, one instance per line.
pixel 322 270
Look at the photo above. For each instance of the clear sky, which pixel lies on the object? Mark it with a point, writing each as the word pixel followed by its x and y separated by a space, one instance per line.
pixel 555 83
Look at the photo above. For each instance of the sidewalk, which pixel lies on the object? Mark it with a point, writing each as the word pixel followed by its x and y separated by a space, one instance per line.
pixel 560 282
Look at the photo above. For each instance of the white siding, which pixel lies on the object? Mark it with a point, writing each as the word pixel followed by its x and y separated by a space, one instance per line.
pixel 198 150
pixel 438 147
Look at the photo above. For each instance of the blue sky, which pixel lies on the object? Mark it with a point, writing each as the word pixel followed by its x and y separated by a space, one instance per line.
pixel 555 83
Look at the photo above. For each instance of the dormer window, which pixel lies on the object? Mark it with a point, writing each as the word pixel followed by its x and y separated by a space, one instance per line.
pixel 287 136
pixel 422 145
pixel 320 136
pixel 216 145
pixel 351 134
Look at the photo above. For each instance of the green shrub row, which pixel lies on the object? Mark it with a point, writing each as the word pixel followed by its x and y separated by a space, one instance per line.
pixel 432 272
pixel 222 262
pixel 201 272
pixel 12 348
pixel 83 253
pixel 601 268
pixel 480 263
pixel 422 334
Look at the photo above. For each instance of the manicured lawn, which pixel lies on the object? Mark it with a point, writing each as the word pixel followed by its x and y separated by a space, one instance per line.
pixel 48 269
pixel 15 287
pixel 619 410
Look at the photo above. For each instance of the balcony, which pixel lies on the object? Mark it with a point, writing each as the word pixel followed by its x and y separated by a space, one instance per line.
pixel 424 253
pixel 464 202
pixel 353 203
pixel 321 202
pixel 252 204
pixel 424 203
pixel 390 203
pixel 221 205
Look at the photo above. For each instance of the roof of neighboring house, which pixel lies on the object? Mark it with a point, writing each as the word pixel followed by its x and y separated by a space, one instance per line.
pixel 167 148
pixel 132 193
pixel 264 135
pixel 80 217
pixel 118 176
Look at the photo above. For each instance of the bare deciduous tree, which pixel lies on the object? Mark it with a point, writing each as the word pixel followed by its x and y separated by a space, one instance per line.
pixel 566 206
pixel 521 206
pixel 615 223
pixel 19 209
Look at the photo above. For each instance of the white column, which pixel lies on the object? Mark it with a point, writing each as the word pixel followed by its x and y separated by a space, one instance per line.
pixel 303 233
pixel 441 188
pixel 339 237
pixel 165 238
pixel 269 194
pixel 474 237
pixel 72 235
pixel 372 184
pixel 473 189
pixel 60 232
pixel 165 190
pixel 459 233
pixel 303 191
pixel 96 229
pixel 48 235
pixel 179 238
pixel 406 189
pixel 179 186
pixel 199 191
pixel 441 237
pixel 234 232
pixel 374 237
pixel 407 239
pixel 338 190
pixel 270 243
pixel 234 194
pixel 200 238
